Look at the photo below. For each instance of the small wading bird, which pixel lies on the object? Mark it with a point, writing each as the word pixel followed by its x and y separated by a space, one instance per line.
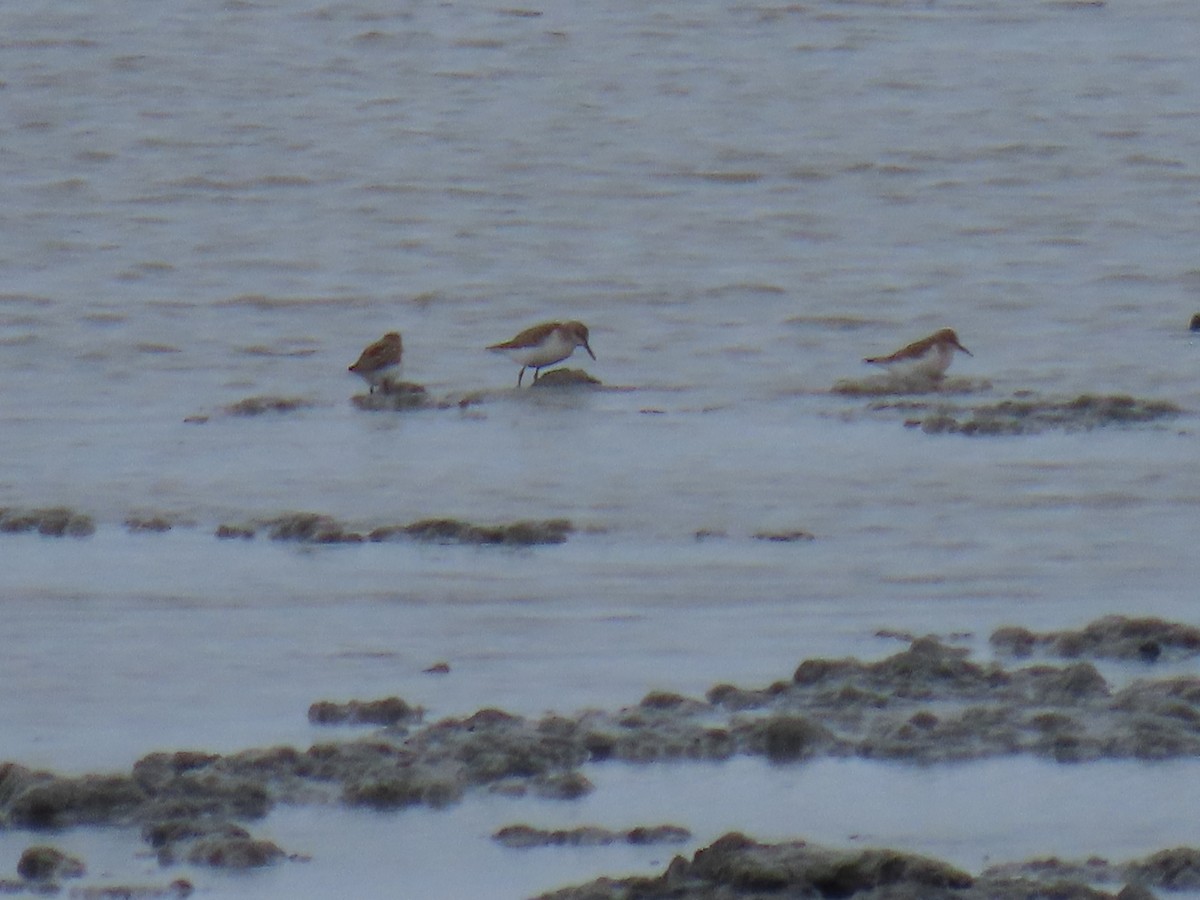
pixel 544 345
pixel 929 357
pixel 379 360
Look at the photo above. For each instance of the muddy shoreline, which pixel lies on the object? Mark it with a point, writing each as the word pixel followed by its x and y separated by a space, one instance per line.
pixel 928 704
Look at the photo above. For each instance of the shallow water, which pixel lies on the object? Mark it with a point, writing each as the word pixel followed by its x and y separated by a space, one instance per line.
pixel 202 205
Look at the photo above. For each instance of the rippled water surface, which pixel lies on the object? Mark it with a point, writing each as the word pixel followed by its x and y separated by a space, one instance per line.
pixel 202 203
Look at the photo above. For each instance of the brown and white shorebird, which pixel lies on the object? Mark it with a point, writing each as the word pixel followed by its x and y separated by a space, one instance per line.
pixel 379 360
pixel 928 358
pixel 544 345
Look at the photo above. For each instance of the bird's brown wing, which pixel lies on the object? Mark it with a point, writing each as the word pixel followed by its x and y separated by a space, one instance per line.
pixel 528 338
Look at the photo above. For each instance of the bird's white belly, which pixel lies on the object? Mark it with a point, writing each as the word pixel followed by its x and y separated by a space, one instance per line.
pixel 553 350
pixel 933 364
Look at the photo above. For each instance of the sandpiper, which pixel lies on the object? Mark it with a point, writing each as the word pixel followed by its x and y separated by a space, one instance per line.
pixel 379 360
pixel 544 345
pixel 928 358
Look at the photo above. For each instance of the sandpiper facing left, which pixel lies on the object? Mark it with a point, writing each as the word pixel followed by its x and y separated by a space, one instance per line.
pixel 544 345
pixel 380 360
pixel 928 358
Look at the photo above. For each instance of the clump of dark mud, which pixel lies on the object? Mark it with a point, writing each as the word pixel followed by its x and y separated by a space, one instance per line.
pixel 403 396
pixel 45 863
pixel 255 406
pixel 149 524
pixel 1177 869
pixel 388 711
pixel 454 531
pixel 893 385
pixel 781 537
pixel 1029 415
pixel 175 836
pixel 735 867
pixel 228 531
pixel 1113 637
pixel 523 837
pixel 557 378
pixel 315 528
pixel 55 521
pixel 784 536
pixel 178 888
pixel 233 853
pixel 312 528
pixel 394 396
pixel 42 867
pixel 185 802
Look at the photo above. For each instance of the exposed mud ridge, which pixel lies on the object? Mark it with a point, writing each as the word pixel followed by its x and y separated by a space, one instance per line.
pixel 1029 415
pixel 185 803
pixel 523 837
pixel 255 406
pixel 781 537
pixel 1177 869
pixel 557 378
pixel 315 528
pixel 402 396
pixel 178 888
pixel 1113 637
pixel 46 863
pixel 785 536
pixel 394 396
pixel 56 521
pixel 154 524
pixel 388 711
pixel 734 867
pixel 453 531
pixel 889 385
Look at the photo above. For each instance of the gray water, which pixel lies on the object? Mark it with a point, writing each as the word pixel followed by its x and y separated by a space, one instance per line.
pixel 202 203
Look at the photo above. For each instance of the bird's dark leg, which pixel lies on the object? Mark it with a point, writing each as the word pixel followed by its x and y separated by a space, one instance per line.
pixel 536 373
pixel 520 375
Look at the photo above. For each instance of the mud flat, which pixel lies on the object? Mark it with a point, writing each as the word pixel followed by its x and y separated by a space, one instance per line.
pixel 525 836
pixel 927 704
pixel 889 385
pixel 1028 414
pixel 1113 637
pixel 301 527
pixel 735 867
pixel 558 378
pixel 55 521
pixel 944 406
pixel 317 528
pixel 395 397
pixel 406 396
pixel 255 406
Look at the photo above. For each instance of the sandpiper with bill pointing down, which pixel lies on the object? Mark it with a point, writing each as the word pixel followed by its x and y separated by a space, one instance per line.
pixel 927 358
pixel 380 360
pixel 544 345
